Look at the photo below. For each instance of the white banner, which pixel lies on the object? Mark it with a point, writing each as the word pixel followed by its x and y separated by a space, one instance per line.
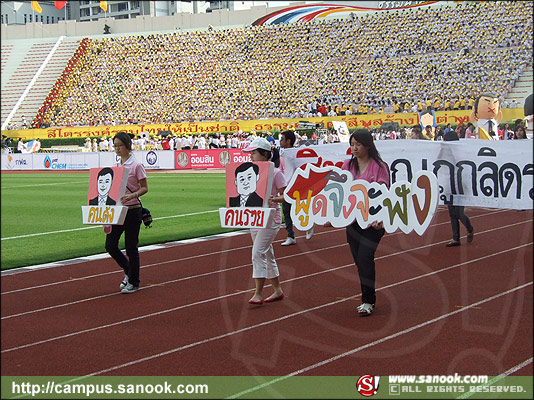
pixel 161 159
pixel 481 173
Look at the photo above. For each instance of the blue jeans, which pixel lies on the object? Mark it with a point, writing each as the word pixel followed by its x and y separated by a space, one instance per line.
pixel 457 213
pixel 131 226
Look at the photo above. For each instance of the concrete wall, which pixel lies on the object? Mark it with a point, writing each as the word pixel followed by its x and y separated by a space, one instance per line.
pixel 145 23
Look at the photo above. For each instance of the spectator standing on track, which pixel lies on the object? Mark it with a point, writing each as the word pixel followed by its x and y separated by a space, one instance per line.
pixel 457 213
pixel 287 140
pixel 136 187
pixel 365 164
pixel 263 262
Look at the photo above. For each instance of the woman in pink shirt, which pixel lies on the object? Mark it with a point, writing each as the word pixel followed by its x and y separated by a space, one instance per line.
pixel 365 164
pixel 136 187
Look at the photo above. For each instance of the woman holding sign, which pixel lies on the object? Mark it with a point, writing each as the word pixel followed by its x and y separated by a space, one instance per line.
pixel 365 164
pixel 263 262
pixel 136 187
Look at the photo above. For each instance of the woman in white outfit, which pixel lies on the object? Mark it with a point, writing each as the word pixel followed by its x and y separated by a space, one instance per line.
pixel 263 261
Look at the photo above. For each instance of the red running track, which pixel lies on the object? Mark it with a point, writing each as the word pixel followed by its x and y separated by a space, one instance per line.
pixel 465 310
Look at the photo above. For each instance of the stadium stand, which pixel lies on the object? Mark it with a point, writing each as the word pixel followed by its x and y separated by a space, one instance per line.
pixel 381 62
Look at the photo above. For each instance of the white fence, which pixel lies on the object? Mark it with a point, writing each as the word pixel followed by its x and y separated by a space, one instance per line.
pixel 81 161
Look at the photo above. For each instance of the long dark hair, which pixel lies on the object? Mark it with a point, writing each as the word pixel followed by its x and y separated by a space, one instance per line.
pixel 273 155
pixel 364 137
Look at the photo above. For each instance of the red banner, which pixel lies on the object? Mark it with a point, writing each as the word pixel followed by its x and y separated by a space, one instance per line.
pixel 212 158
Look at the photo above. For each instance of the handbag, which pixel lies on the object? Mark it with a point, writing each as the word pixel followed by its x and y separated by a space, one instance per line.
pixel 146 217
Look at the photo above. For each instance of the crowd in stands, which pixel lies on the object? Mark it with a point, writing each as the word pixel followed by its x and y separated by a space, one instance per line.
pixel 68 80
pixel 394 61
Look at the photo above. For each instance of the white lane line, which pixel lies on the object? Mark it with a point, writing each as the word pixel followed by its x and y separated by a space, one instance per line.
pixel 266 322
pixel 230 250
pixel 100 226
pixel 374 343
pixel 498 377
pixel 44 184
pixel 16 271
pixel 161 283
pixel 165 245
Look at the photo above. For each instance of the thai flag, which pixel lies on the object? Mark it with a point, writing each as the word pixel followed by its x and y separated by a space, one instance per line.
pixel 31 147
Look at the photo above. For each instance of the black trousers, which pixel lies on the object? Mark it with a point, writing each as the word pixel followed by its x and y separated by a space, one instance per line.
pixel 286 208
pixel 363 244
pixel 131 226
pixel 457 213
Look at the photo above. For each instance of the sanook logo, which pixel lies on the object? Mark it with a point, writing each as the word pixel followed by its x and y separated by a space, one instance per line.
pixel 53 163
pixel 367 385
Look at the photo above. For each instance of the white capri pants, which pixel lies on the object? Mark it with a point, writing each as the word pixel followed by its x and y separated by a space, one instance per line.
pixel 263 261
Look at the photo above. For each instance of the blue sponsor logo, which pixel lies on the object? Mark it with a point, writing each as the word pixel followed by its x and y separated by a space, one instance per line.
pixel 53 163
pixel 151 157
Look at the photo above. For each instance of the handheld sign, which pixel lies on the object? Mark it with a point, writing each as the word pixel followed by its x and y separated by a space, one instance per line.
pixel 329 194
pixel 106 187
pixel 248 187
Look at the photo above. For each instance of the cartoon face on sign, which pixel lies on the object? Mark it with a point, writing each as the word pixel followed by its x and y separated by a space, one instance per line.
pixel 248 184
pixel 487 106
pixel 486 115
pixel 105 185
pixel 104 180
pixel 427 118
pixel 246 181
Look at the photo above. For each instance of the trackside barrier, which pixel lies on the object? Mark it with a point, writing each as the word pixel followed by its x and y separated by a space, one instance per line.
pixel 153 159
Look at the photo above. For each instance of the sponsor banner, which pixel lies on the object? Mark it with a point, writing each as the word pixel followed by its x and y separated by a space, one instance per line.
pixel 470 172
pixel 64 161
pixel 151 159
pixel 195 128
pixel 17 162
pixel 211 158
pixel 83 160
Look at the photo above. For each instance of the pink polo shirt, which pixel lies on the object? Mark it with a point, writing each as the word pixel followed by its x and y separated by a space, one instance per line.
pixel 373 172
pixel 135 174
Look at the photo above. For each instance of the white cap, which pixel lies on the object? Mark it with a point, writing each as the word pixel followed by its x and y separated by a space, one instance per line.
pixel 258 143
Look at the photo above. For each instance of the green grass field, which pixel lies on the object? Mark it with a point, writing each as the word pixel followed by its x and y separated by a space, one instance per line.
pixel 42 220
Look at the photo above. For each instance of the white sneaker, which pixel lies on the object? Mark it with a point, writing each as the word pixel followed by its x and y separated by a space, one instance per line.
pixel 309 234
pixel 129 288
pixel 365 309
pixel 124 282
pixel 289 241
